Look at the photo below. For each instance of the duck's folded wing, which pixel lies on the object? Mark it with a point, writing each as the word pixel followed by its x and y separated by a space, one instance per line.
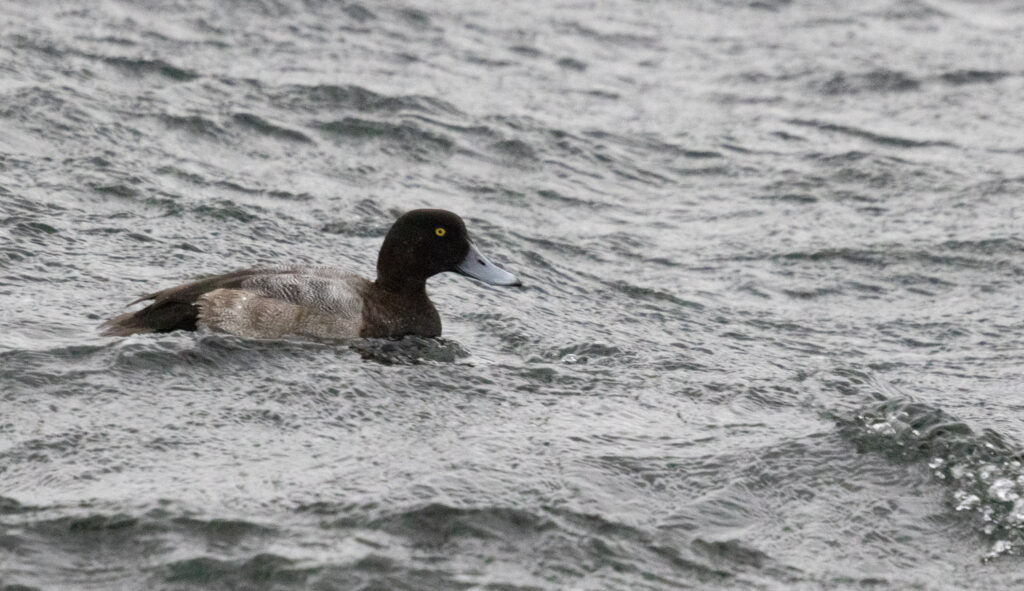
pixel 177 308
pixel 173 308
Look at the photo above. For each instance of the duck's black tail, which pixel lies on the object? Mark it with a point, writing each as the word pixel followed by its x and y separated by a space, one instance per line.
pixel 160 316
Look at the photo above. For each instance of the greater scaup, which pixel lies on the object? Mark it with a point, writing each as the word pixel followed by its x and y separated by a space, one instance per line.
pixel 270 302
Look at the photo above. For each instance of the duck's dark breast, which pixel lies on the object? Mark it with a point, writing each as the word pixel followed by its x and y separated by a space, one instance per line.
pixel 390 314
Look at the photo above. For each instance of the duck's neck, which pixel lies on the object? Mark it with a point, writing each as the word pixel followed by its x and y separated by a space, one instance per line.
pixel 406 286
pixel 397 272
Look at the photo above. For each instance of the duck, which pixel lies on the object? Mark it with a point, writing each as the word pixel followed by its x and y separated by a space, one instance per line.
pixel 321 301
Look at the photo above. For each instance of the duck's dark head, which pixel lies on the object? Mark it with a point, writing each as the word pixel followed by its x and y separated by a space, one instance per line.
pixel 425 242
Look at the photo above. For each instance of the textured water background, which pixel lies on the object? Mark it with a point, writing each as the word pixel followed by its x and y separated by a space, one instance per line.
pixel 770 337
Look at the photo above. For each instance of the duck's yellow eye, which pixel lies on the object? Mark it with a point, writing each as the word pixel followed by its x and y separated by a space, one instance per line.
pixel 440 231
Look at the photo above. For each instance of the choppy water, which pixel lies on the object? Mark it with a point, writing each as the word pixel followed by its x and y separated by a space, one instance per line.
pixel 770 337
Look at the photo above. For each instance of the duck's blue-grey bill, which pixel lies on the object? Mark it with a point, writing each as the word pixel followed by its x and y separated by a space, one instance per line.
pixel 477 266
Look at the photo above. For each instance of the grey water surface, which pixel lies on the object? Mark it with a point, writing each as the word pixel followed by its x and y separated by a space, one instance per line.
pixel 770 334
